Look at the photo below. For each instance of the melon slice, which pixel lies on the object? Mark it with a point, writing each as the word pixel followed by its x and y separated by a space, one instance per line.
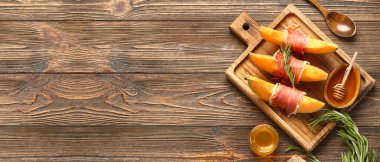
pixel 264 90
pixel 269 65
pixel 314 46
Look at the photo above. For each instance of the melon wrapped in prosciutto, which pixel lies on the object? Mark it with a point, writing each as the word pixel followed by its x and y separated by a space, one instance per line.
pixel 302 70
pixel 288 100
pixel 299 42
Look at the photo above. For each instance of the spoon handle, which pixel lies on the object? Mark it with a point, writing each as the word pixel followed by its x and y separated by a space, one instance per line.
pixel 347 73
pixel 320 7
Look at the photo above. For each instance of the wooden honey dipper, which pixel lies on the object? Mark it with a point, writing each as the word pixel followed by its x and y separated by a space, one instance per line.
pixel 339 90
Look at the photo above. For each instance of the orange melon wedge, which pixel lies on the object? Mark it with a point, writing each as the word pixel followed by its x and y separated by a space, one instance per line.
pixel 264 90
pixel 314 46
pixel 269 65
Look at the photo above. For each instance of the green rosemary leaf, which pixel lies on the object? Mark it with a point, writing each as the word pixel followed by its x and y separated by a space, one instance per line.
pixel 293 148
pixel 287 54
pixel 358 149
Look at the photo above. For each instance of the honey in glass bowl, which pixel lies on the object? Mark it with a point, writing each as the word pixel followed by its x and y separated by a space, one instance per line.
pixel 263 139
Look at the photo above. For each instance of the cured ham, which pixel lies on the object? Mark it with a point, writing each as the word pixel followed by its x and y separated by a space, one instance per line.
pixel 297 41
pixel 286 99
pixel 271 93
pixel 269 64
pixel 313 46
pixel 298 66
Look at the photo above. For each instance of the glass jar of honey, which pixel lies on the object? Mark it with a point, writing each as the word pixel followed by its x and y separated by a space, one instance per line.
pixel 263 139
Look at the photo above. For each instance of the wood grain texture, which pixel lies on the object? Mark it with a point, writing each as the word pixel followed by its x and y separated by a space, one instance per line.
pixel 170 100
pixel 174 10
pixel 137 99
pixel 141 47
pixel 151 143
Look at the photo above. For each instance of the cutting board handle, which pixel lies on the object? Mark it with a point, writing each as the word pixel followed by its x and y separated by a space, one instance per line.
pixel 246 29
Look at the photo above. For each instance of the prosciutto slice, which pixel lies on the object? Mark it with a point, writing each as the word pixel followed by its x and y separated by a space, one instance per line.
pixel 297 41
pixel 298 66
pixel 286 99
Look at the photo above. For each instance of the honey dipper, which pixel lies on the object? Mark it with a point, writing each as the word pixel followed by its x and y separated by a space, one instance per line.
pixel 339 90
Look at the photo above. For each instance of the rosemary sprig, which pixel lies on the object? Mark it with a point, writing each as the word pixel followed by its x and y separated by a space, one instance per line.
pixel 310 156
pixel 287 54
pixel 358 149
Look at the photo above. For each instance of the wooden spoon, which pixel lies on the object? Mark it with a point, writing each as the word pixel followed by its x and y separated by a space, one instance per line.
pixel 339 90
pixel 340 24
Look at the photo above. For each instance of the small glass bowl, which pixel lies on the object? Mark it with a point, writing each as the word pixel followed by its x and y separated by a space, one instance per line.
pixel 263 139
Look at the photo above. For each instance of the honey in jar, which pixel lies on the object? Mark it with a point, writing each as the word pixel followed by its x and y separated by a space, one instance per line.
pixel 263 139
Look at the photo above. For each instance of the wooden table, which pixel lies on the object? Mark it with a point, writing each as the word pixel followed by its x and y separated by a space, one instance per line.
pixel 113 80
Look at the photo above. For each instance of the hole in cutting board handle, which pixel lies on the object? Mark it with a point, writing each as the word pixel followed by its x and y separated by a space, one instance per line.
pixel 245 26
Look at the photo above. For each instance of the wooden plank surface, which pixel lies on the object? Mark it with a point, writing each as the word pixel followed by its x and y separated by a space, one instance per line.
pixel 129 99
pixel 141 46
pixel 149 143
pixel 173 10
pixel 113 80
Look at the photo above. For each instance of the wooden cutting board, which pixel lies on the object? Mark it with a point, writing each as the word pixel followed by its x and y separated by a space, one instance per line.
pixel 297 126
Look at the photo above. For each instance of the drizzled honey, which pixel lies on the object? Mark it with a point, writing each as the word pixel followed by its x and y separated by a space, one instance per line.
pixel 263 139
